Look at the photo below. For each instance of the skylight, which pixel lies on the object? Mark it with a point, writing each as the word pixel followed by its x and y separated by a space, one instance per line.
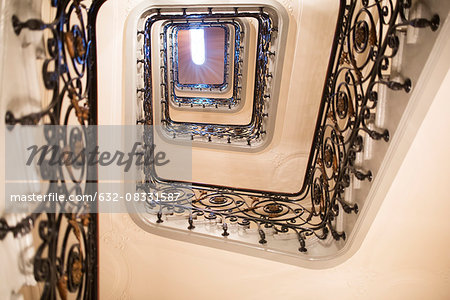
pixel 197 46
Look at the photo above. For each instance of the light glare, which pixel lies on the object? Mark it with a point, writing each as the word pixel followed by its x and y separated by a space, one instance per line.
pixel 197 46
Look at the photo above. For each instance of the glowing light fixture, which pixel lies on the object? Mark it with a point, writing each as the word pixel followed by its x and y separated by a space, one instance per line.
pixel 197 46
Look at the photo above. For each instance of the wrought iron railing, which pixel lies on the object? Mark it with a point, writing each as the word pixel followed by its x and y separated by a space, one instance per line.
pixel 173 78
pixel 175 53
pixel 66 260
pixel 249 133
pixel 364 44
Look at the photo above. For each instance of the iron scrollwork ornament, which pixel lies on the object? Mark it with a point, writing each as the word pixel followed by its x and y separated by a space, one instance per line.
pixel 66 258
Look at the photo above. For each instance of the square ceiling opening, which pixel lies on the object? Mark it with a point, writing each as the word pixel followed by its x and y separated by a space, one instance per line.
pixel 201 56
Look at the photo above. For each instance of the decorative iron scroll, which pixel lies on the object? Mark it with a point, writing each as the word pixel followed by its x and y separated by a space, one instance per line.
pixel 250 133
pixel 66 259
pixel 364 44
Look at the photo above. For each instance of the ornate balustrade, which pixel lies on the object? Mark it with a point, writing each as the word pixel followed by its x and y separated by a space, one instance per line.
pixel 66 261
pixel 364 45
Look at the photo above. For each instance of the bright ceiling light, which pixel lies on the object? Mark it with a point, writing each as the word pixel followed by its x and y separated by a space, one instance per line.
pixel 197 46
